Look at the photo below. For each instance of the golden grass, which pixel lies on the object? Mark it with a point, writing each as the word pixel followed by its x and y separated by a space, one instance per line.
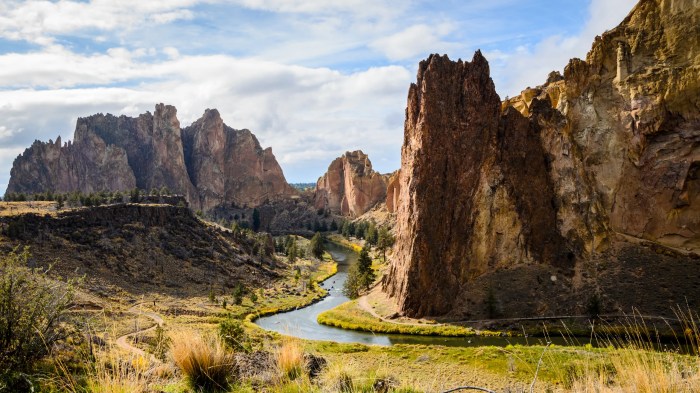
pixel 351 316
pixel 38 207
pixel 290 359
pixel 636 366
pixel 638 370
pixel 120 375
pixel 202 359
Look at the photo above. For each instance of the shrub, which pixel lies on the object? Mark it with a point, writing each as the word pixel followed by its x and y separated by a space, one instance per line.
pixel 203 360
pixel 238 292
pixel 32 308
pixel 232 333
pixel 160 343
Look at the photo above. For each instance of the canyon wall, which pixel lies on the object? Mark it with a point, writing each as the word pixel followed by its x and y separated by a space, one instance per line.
pixel 350 187
pixel 585 187
pixel 208 162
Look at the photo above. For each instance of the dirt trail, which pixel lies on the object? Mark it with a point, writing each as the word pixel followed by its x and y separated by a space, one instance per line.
pixel 363 302
pixel 123 342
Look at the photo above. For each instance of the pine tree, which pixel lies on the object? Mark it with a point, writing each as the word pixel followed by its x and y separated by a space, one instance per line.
pixel 316 246
pixel 385 240
pixel 364 267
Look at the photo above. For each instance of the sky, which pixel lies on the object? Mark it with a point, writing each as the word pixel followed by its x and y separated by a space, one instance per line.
pixel 310 78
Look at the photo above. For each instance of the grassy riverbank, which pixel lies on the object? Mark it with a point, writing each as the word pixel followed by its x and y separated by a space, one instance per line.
pixel 351 316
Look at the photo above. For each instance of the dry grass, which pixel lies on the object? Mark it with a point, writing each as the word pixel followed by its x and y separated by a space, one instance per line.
pixel 637 365
pixel 338 378
pixel 290 359
pixel 634 370
pixel 38 207
pixel 120 375
pixel 202 359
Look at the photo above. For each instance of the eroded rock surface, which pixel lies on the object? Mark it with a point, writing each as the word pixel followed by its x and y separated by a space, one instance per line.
pixel 350 187
pixel 583 187
pixel 208 162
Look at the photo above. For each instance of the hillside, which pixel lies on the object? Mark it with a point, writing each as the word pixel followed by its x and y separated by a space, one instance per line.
pixel 141 248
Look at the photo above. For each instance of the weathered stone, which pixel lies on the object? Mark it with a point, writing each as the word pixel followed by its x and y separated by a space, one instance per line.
pixel 393 189
pixel 208 162
pixel 350 187
pixel 228 166
pixel 536 214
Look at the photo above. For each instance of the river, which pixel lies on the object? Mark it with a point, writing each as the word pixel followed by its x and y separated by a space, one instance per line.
pixel 302 322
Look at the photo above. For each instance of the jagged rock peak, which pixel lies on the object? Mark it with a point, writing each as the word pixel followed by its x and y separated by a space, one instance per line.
pixel 208 162
pixel 502 215
pixel 350 187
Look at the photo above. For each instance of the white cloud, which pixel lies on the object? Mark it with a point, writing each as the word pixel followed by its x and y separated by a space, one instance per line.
pixel 415 40
pixel 359 7
pixel 171 52
pixel 38 20
pixel 306 114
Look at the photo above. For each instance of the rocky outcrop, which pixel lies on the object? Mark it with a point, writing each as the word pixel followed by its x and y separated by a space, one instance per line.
pixel 393 190
pixel 350 187
pixel 89 165
pixel 208 162
pixel 535 205
pixel 229 166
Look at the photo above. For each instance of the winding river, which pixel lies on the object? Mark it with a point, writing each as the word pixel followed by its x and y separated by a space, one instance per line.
pixel 302 322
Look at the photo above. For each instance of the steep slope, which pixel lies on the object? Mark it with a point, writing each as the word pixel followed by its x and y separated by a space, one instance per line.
pixel 350 187
pixel 140 248
pixel 250 179
pixel 208 162
pixel 592 195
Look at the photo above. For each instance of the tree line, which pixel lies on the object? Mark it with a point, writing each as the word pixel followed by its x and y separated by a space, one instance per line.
pixel 80 199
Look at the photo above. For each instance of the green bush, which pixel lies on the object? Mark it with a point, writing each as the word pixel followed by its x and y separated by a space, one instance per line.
pixel 32 308
pixel 233 334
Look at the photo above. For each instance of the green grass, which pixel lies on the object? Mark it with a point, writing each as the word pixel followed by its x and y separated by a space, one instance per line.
pixel 350 316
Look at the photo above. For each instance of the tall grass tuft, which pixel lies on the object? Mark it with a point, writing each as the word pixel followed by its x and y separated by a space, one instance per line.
pixel 120 375
pixel 203 360
pixel 636 363
pixel 290 359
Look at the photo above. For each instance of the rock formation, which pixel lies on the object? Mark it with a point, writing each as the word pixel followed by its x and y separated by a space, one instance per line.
pixel 583 187
pixel 393 189
pixel 350 187
pixel 208 162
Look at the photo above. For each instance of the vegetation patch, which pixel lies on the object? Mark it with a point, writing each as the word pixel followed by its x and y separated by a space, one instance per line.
pixel 351 316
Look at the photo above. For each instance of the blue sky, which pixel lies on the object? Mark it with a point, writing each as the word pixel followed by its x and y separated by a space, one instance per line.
pixel 311 78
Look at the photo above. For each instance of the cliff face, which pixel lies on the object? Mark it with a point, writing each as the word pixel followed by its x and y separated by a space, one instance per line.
pixel 350 186
pixel 393 190
pixel 561 193
pixel 250 178
pixel 208 162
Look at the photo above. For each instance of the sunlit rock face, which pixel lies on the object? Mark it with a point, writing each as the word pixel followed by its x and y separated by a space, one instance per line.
pixel 350 187
pixel 208 162
pixel 585 186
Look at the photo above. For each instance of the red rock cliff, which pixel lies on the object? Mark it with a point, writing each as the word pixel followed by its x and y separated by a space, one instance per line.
pixel 208 162
pixel 350 186
pixel 534 215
